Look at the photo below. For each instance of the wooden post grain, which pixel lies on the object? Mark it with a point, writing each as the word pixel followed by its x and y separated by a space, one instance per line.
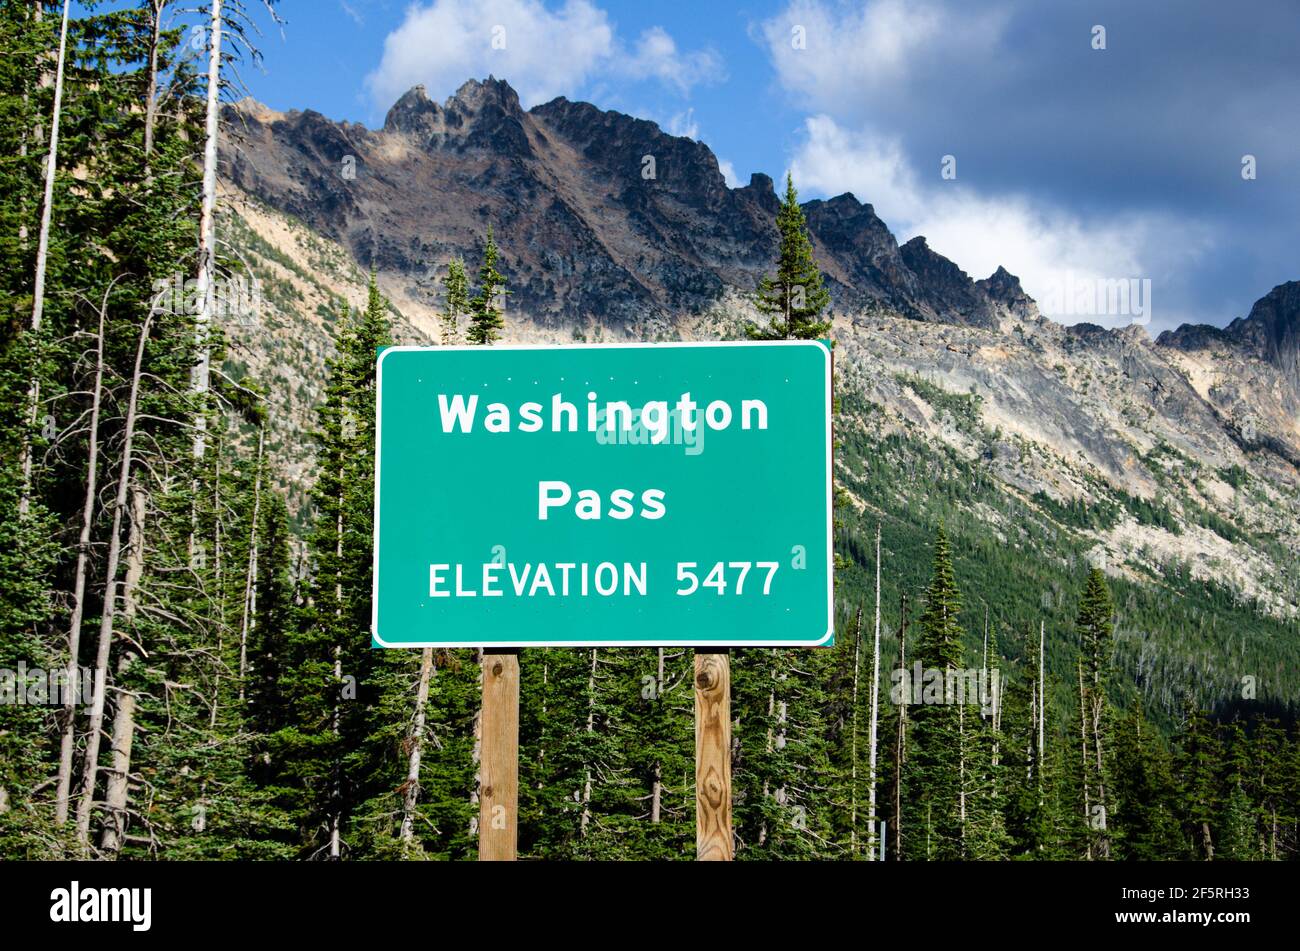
pixel 713 842
pixel 499 768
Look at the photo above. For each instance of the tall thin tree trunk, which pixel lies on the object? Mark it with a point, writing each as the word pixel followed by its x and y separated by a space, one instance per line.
pixel 63 786
pixel 219 589
pixel 900 746
pixel 476 755
pixel 249 619
pixel 42 260
pixel 151 94
pixel 1032 766
pixel 119 777
pixel 119 785
pixel 207 221
pixel 117 795
pixel 91 766
pixel 853 743
pixel 336 804
pixel 875 705
pixel 771 712
pixel 1083 732
pixel 1042 691
pixel 961 775
pixel 1103 841
pixel 657 790
pixel 591 727
pixel 412 794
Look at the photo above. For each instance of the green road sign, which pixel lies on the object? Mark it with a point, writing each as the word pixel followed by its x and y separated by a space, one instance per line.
pixel 619 495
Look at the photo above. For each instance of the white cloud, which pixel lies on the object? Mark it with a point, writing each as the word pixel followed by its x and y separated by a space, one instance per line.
pixel 541 51
pixel 657 56
pixel 853 54
pixel 1046 246
pixel 729 173
pixel 863 71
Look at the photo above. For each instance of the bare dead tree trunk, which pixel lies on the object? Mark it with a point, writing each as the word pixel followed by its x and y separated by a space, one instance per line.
pixel 900 745
pixel 853 744
pixel 412 791
pixel 591 728
pixel 118 792
pixel 1032 768
pixel 1083 731
pixel 207 221
pixel 1042 707
pixel 336 820
pixel 875 707
pixel 249 619
pixel 91 767
pixel 151 94
pixel 476 756
pixel 218 587
pixel 42 260
pixel 1103 840
pixel 336 805
pixel 771 712
pixel 657 789
pixel 63 785
pixel 117 795
pixel 961 773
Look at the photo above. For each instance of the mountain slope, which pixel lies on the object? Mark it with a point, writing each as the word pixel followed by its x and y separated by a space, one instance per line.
pixel 1174 463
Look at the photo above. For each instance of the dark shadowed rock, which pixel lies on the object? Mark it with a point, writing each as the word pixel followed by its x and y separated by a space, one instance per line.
pixel 602 216
pixel 948 289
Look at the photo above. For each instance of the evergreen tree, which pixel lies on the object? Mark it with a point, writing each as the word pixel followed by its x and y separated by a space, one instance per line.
pixel 457 301
pixel 1095 627
pixel 936 745
pixel 1196 764
pixel 1144 819
pixel 793 299
pixel 329 674
pixel 487 313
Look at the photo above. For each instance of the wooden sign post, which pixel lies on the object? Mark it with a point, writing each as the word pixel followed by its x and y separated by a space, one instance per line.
pixel 498 823
pixel 713 840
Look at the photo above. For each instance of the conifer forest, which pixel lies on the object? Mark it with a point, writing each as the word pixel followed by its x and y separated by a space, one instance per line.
pixel 186 664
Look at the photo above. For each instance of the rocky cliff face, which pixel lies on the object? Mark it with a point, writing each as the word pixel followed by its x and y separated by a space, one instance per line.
pixel 1249 371
pixel 1188 446
pixel 609 217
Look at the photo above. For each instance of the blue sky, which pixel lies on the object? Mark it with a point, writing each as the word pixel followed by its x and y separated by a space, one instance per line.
pixel 1073 162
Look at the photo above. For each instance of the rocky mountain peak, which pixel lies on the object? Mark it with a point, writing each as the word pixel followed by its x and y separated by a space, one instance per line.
pixel 478 95
pixel 481 114
pixel 948 287
pixel 1004 288
pixel 414 112
pixel 1272 330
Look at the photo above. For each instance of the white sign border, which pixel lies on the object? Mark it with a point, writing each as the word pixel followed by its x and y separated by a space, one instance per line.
pixel 824 640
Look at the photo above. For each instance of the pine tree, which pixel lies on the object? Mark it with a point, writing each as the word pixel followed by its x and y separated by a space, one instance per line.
pixel 1145 821
pixel 793 299
pixel 487 313
pixel 1096 630
pixel 936 740
pixel 457 301
pixel 329 676
pixel 1196 765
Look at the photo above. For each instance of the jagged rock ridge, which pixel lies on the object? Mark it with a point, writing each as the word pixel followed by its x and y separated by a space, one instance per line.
pixel 609 218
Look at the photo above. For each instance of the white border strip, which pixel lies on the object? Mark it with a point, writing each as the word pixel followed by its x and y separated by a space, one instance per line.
pixel 693 642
